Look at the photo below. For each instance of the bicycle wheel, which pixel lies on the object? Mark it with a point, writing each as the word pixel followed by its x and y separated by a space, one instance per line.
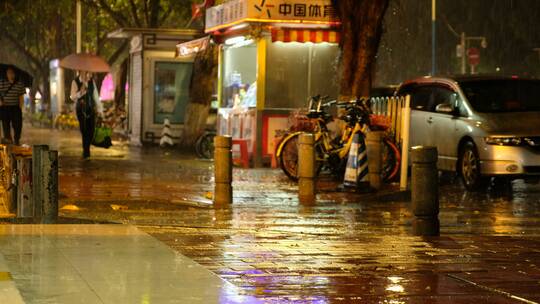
pixel 288 160
pixel 205 146
pixel 391 160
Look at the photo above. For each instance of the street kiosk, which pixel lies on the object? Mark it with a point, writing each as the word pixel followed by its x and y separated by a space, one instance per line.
pixel 158 81
pixel 274 55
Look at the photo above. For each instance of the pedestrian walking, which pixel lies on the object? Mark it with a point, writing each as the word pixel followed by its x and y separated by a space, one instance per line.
pixel 11 101
pixel 84 93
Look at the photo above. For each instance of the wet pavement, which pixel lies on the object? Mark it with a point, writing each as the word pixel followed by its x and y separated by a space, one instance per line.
pixel 66 264
pixel 347 248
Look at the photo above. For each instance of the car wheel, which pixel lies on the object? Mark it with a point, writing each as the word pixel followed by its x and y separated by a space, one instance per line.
pixel 469 168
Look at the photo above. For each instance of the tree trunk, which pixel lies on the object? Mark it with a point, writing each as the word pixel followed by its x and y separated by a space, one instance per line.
pixel 361 31
pixel 120 85
pixel 45 89
pixel 202 86
pixel 155 8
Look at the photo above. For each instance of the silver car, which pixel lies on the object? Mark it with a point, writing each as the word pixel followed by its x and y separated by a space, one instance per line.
pixel 482 126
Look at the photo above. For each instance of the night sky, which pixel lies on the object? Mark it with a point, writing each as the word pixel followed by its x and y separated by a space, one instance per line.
pixel 512 29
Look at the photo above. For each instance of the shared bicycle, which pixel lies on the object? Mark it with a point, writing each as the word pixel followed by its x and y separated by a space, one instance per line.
pixel 332 151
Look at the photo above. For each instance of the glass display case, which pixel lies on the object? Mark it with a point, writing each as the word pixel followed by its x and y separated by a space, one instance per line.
pixel 239 80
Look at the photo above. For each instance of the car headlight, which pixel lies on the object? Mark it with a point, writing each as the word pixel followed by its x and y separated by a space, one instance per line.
pixel 504 141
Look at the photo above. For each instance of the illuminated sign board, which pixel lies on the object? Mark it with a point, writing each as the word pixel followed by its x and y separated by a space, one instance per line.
pixel 294 11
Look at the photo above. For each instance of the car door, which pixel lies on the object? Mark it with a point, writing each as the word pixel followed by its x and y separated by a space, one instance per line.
pixel 442 126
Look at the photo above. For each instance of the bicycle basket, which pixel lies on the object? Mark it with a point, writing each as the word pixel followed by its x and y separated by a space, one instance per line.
pixel 299 121
pixel 380 122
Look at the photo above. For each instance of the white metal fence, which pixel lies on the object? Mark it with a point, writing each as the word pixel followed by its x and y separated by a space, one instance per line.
pixel 398 112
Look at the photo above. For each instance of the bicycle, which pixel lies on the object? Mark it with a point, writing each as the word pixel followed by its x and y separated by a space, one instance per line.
pixel 332 153
pixel 204 147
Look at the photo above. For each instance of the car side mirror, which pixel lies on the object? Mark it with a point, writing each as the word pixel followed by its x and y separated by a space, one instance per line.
pixel 445 108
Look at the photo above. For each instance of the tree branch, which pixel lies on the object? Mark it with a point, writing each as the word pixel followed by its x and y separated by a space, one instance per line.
pixel 120 19
pixel 154 12
pixel 166 15
pixel 134 13
pixel 102 40
pixel 147 17
pixel 15 42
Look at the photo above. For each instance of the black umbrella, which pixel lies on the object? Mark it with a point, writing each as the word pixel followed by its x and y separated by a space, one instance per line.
pixel 20 75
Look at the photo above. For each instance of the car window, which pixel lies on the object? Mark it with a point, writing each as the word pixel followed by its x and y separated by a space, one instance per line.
pixel 502 95
pixel 420 97
pixel 428 97
pixel 442 95
pixel 462 110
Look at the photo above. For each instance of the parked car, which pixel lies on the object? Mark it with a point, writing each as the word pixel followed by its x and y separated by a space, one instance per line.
pixel 482 126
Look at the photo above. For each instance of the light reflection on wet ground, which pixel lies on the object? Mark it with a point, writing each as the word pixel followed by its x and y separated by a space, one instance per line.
pixel 347 248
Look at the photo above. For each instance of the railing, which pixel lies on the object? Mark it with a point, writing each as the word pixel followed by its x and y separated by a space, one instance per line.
pixel 390 107
pixel 397 109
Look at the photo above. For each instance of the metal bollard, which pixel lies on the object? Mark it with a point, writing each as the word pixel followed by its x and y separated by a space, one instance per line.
pixel 50 187
pixel 374 142
pixel 425 191
pixel 44 184
pixel 37 180
pixel 306 169
pixel 223 170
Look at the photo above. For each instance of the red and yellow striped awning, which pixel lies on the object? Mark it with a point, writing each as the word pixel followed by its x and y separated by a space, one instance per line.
pixel 302 35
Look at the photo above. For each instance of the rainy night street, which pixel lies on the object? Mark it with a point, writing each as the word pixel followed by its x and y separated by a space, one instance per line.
pixel 269 151
pixel 347 248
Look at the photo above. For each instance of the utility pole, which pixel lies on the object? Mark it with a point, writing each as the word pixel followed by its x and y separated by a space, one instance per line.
pixel 78 25
pixel 433 36
pixel 463 47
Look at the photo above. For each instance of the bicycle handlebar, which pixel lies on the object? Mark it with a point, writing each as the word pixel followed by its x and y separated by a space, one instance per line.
pixel 358 102
pixel 329 104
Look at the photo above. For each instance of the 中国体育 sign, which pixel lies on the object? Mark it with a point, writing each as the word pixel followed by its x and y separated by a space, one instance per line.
pixel 298 11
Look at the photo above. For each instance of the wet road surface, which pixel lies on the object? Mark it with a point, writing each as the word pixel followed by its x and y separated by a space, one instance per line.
pixel 348 248
pixel 101 264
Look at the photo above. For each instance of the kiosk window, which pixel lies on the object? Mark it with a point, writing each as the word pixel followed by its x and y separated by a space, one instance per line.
pixel 296 71
pixel 239 75
pixel 171 91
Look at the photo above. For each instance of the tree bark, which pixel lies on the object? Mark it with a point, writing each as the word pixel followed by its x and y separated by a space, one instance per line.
pixel 155 8
pixel 120 85
pixel 44 87
pixel 202 85
pixel 361 31
pixel 134 13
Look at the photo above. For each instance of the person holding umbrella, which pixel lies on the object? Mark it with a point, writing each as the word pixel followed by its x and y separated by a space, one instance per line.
pixel 11 101
pixel 85 94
